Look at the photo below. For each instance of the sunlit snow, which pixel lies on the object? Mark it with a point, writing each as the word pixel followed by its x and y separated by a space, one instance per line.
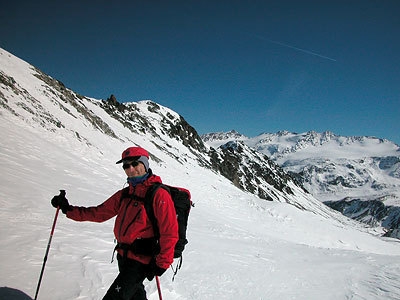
pixel 240 247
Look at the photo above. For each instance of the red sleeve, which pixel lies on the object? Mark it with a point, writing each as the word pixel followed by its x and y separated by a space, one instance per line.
pixel 100 213
pixel 165 214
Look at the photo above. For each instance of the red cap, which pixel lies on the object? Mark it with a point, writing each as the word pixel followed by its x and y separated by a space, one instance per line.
pixel 133 152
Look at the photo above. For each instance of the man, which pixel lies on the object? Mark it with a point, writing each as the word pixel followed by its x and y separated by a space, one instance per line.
pixel 139 254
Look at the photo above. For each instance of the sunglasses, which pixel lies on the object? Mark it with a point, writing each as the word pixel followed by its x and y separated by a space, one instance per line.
pixel 128 164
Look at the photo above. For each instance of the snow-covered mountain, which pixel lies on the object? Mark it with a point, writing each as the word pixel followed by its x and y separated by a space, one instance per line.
pixel 167 129
pixel 240 245
pixel 359 176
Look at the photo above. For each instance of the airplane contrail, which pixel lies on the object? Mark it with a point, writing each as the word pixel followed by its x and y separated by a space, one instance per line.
pixel 293 47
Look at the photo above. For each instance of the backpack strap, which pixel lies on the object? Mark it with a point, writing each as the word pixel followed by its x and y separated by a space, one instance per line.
pixel 148 205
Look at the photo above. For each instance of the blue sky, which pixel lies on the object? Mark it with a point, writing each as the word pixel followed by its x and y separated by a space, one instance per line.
pixel 253 66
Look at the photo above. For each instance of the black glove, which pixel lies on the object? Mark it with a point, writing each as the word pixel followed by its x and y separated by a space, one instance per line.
pixel 61 202
pixel 154 270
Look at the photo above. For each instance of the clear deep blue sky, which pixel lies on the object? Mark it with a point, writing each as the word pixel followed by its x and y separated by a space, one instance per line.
pixel 253 66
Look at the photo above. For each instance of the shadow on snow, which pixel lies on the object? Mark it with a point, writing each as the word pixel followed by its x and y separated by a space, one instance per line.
pixel 7 293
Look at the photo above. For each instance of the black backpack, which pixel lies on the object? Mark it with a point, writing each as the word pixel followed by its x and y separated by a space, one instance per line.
pixel 182 202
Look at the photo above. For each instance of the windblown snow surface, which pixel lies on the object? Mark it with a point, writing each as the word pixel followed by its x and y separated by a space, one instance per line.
pixel 240 247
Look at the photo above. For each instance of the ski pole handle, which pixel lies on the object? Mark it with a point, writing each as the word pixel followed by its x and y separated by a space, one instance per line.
pixel 62 193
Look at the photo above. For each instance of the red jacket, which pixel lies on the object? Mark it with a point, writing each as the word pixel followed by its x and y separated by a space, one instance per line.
pixel 132 221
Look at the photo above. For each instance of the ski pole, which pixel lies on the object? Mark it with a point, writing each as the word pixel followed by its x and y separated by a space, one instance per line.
pixel 159 287
pixel 62 194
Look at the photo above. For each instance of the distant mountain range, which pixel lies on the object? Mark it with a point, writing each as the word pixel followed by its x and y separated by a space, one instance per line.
pixel 357 175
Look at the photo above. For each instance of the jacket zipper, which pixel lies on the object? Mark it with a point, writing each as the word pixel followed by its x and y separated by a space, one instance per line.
pixel 134 219
pixel 123 217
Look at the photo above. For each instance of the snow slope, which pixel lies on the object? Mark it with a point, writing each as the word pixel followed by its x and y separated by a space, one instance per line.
pixel 240 247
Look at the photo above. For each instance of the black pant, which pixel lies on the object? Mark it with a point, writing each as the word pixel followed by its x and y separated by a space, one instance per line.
pixel 129 283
